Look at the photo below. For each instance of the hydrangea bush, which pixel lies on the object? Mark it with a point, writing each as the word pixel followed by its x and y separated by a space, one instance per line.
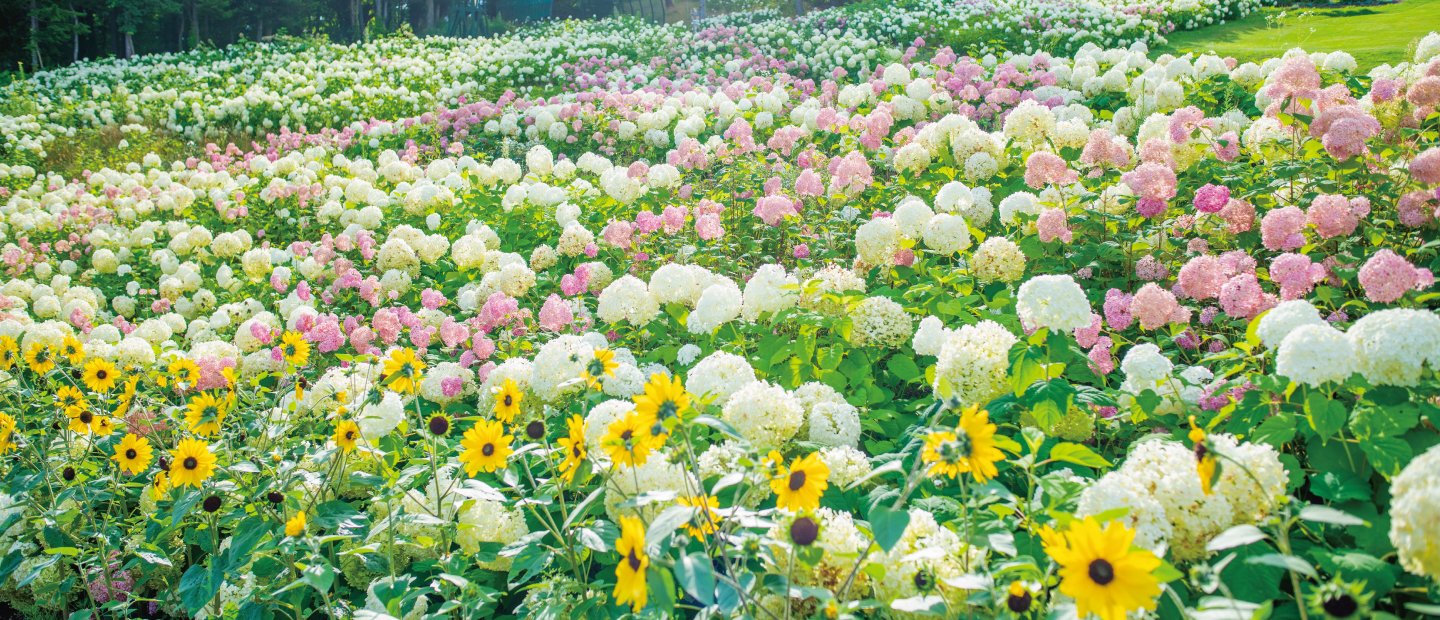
pixel 1087 333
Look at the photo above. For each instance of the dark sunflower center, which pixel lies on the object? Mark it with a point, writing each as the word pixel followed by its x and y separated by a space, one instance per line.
pixel 509 400
pixel 575 450
pixel 797 480
pixel 1019 604
pixel 488 449
pixel 86 417
pixel 101 374
pixel 1342 606
pixel 439 425
pixel 130 454
pixel 1102 572
pixel 804 531
pixel 349 435
pixel 633 560
pixel 190 462
pixel 627 435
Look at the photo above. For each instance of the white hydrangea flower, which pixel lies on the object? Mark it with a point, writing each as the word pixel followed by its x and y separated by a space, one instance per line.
pixel 1415 514
pixel 1276 324
pixel 718 376
pixel 879 322
pixel 1054 302
pixel 764 414
pixel 1315 354
pixel 974 363
pixel 1392 345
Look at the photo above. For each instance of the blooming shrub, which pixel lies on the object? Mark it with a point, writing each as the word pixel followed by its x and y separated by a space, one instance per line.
pixel 891 334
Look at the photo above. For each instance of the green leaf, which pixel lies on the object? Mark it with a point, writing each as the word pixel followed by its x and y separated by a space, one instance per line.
pixel 1276 430
pixel 696 575
pixel 1326 416
pixel 320 576
pixel 1387 454
pixel 1339 486
pixel 1316 513
pixel 1287 562
pixel 887 526
pixel 1237 536
pixel 196 588
pixel 1079 454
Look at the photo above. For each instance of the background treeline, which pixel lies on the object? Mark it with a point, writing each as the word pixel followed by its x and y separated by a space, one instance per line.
pixel 44 34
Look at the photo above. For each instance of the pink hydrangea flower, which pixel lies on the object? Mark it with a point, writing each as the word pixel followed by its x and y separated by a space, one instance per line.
pixel 1117 309
pixel 1331 216
pixel 1153 184
pixel 1045 168
pixel 1239 216
pixel 1425 168
pixel 1387 276
pixel 555 315
pixel 1155 307
pixel 1296 274
pixel 1211 198
pixel 1202 277
pixel 1280 229
pixel 1051 226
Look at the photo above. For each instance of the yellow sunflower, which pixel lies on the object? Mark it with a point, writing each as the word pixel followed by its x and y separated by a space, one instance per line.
pixel 191 463
pixel 601 366
pixel 507 401
pixel 1206 465
pixel 1102 572
pixel 294 348
pixel 486 447
pixel 127 396
pixel 40 358
pixel 402 371
pixel 9 352
pixel 347 435
pixel 82 420
pixel 295 526
pixel 133 454
pixel 630 586
pixel 159 485
pixel 573 447
pixel 7 433
pixel 205 413
pixel 664 398
pixel 185 372
pixel 706 520
pixel 69 397
pixel 72 350
pixel 798 487
pixel 99 375
pixel 104 426
pixel 970 448
pixel 630 440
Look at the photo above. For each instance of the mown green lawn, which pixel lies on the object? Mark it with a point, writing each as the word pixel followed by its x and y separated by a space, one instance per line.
pixel 1373 34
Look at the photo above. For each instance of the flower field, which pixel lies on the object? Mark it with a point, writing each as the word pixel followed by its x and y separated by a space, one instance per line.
pixel 876 312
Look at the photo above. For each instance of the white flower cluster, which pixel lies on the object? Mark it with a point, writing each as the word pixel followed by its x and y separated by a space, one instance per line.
pixel 1054 302
pixel 1159 486
pixel 879 322
pixel 1415 515
pixel 764 414
pixel 974 363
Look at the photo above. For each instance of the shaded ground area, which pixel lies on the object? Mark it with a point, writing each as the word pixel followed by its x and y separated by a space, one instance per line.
pixel 1373 34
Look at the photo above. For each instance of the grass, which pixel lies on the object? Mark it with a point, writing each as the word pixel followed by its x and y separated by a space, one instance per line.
pixel 1377 34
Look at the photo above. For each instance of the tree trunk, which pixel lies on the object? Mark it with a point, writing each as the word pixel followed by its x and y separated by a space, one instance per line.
pixel 130 44
pixel 429 17
pixel 75 36
pixel 35 61
pixel 194 25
